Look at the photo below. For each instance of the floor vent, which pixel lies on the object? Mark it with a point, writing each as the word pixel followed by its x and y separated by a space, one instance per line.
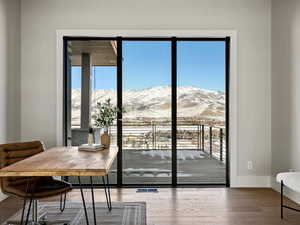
pixel 147 190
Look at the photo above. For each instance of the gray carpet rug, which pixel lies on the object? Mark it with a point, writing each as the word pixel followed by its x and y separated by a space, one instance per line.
pixel 123 213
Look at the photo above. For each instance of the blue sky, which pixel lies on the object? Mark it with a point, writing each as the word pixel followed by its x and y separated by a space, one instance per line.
pixel 148 64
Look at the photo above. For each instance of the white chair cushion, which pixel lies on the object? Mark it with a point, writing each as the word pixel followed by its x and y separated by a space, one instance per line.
pixel 290 179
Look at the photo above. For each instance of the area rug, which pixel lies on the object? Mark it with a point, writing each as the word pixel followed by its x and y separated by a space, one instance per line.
pixel 122 213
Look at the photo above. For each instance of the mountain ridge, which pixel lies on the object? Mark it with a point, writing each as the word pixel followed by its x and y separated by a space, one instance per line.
pixel 155 102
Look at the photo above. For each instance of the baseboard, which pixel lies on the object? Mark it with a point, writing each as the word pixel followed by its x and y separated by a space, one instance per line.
pixel 2 196
pixel 294 196
pixel 252 181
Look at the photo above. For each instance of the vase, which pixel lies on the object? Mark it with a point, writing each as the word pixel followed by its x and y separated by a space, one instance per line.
pixel 105 138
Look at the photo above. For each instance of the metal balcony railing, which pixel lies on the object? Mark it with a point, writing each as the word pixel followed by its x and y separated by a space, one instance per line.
pixel 157 136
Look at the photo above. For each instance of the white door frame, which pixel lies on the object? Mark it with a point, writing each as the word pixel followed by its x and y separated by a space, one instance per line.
pixel 233 78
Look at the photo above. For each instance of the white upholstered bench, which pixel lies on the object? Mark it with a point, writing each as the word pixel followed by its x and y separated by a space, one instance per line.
pixel 290 180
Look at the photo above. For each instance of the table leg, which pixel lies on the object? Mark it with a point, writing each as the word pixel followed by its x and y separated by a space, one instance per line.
pixel 93 200
pixel 83 201
pixel 107 192
pixel 108 187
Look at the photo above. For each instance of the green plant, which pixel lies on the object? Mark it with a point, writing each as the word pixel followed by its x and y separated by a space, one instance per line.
pixel 105 114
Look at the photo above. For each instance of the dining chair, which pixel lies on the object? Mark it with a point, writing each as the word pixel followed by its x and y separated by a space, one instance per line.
pixel 29 188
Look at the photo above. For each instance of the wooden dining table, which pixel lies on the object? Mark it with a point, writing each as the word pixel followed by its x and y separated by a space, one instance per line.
pixel 67 161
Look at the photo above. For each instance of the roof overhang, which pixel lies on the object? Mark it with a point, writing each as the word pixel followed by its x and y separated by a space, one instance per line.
pixel 103 52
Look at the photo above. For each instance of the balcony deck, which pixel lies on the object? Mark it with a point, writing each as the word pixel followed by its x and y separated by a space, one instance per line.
pixel 154 167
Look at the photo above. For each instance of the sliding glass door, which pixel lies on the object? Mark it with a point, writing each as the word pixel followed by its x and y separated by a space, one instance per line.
pixel 173 128
pixel 201 112
pixel 93 66
pixel 147 112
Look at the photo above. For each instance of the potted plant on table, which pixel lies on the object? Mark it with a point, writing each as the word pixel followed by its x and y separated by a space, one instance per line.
pixel 104 117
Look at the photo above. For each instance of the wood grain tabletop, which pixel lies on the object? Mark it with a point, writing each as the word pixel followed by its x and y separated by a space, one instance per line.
pixel 63 161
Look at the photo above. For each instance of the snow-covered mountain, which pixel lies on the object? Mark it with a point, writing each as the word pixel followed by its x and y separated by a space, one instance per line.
pixel 155 102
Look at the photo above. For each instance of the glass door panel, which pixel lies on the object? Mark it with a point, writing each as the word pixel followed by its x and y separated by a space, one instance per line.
pixel 147 116
pixel 104 88
pixel 93 80
pixel 201 112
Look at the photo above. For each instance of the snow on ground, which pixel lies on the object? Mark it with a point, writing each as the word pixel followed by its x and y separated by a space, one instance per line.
pixel 152 172
pixel 181 154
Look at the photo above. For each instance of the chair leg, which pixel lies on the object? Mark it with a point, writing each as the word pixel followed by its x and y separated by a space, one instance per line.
pixel 62 204
pixel 281 200
pixel 23 211
pixel 27 217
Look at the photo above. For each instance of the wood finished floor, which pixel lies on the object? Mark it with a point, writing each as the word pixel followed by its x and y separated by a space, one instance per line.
pixel 209 206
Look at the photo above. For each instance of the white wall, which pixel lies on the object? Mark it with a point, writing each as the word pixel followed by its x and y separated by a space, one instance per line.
pixel 251 19
pixel 285 87
pixel 9 71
